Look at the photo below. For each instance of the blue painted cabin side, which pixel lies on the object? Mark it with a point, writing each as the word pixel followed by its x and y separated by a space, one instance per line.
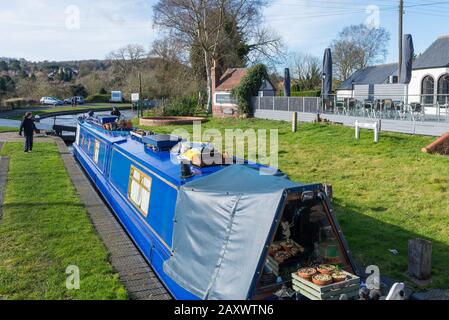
pixel 108 157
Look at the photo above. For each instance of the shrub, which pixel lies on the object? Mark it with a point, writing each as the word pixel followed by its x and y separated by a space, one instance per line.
pixel 98 98
pixel 78 90
pixel 185 106
pixel 103 91
pixel 309 93
pixel 305 93
pixel 249 87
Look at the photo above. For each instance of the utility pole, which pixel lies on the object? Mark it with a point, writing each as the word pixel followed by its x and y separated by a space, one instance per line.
pixel 140 109
pixel 401 34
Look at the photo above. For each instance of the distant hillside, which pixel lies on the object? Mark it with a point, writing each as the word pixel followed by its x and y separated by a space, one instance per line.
pixel 20 78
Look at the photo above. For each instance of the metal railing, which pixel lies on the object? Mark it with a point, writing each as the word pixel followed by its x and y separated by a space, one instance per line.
pixel 412 107
pixel 292 104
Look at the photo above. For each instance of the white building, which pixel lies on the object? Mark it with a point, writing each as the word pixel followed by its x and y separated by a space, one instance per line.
pixel 429 84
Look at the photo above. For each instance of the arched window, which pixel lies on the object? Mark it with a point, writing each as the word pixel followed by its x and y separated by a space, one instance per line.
pixel 443 89
pixel 427 90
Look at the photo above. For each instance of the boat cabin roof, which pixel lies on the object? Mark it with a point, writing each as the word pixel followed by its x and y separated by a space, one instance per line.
pixel 160 162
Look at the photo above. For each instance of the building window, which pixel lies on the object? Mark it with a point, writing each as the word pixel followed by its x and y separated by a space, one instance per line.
pixel 139 190
pixel 96 151
pixel 427 90
pixel 224 98
pixel 443 89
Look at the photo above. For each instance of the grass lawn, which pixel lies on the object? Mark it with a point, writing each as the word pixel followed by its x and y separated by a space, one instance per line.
pixel 384 194
pixel 44 229
pixel 8 129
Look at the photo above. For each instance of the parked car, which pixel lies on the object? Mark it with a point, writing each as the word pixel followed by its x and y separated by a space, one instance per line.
pixel 79 100
pixel 51 101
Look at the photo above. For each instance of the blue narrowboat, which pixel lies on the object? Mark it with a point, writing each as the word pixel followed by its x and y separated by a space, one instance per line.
pixel 209 231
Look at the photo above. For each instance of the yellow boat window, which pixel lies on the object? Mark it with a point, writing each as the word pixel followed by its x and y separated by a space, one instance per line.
pixel 96 151
pixel 139 190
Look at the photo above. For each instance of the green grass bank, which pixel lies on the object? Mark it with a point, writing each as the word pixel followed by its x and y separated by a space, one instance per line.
pixel 44 229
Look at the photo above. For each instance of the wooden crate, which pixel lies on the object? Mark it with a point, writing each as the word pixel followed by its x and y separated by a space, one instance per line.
pixel 333 291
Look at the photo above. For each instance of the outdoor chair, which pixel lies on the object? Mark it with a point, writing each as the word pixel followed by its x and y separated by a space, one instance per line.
pixel 377 109
pixel 329 106
pixel 417 112
pixel 352 107
pixel 388 108
pixel 359 108
pixel 339 105
pixel 368 108
pixel 398 109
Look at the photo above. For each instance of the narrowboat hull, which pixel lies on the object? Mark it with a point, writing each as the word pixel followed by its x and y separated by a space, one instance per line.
pixel 150 244
pixel 155 205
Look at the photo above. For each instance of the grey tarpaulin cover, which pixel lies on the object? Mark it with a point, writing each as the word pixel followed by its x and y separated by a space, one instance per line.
pixel 222 225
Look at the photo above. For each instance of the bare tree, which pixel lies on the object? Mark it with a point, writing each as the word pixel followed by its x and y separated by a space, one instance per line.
pixel 127 59
pixel 307 70
pixel 265 45
pixel 357 47
pixel 169 50
pixel 203 24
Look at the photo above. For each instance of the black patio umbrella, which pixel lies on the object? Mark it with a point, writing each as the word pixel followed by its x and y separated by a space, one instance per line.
pixel 287 82
pixel 327 74
pixel 407 59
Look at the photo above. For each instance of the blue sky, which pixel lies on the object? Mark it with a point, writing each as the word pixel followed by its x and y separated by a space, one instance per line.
pixel 49 29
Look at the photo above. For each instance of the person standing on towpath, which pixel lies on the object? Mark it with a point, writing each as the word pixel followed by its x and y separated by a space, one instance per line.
pixel 28 127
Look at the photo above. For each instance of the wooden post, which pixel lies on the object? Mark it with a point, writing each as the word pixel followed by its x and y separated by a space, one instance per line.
pixel 294 121
pixel 420 259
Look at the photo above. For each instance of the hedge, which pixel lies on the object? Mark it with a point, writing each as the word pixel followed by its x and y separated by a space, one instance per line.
pixel 309 93
pixel 249 87
pixel 98 98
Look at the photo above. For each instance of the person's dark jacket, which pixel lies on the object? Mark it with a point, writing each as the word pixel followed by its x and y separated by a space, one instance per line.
pixel 116 113
pixel 27 126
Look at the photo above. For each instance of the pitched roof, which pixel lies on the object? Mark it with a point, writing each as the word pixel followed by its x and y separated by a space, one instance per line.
pixel 436 56
pixel 230 79
pixel 370 75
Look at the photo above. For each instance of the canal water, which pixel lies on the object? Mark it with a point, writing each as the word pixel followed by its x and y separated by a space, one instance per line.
pixel 70 120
